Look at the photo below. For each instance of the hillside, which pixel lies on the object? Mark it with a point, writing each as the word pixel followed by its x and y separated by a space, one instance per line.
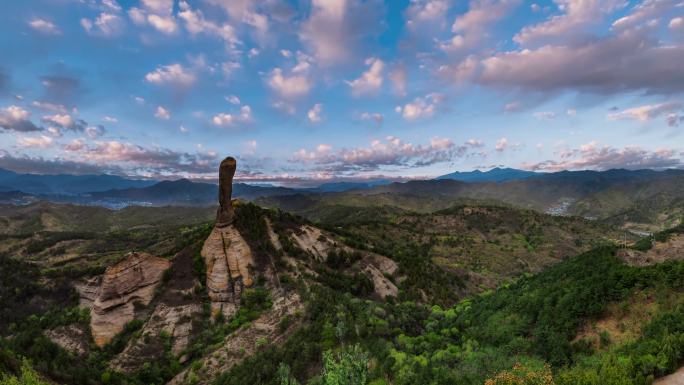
pixel 477 290
pixel 486 244
pixel 646 197
pixel 394 290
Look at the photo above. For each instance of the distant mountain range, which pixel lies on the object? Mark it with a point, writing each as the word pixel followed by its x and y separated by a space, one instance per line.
pixel 493 175
pixel 640 195
pixel 186 192
pixel 65 184
pixel 648 197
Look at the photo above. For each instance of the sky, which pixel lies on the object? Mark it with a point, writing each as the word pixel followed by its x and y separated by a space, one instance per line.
pixel 304 91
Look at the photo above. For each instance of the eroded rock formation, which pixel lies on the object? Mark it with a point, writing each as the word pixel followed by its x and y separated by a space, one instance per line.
pixel 131 281
pixel 245 341
pixel 226 254
pixel 228 259
pixel 225 213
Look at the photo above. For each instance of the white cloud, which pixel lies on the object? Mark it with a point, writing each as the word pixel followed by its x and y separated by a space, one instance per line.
pixel 592 156
pixel 137 15
pixel 576 17
pixel 94 131
pixel 35 141
pixel 60 120
pixel 247 12
pixel 163 24
pixel 371 80
pixel 15 118
pixel 421 107
pixel 106 24
pixel 629 61
pixel 232 99
pixel 156 13
pixel 473 26
pixel 228 119
pixel 183 129
pixel 649 112
pixel 253 52
pixel 196 23
pixel 289 86
pixel 545 115
pixel 44 26
pixel 229 67
pixel 676 24
pixel 335 28
pixel 391 151
pixel 47 106
pixel 109 119
pixel 501 145
pixel 376 117
pixel 16 113
pixel 112 5
pixel 315 113
pixel 162 113
pixel 647 11
pixel 426 11
pixel 285 107
pixel 173 74
pixel 472 142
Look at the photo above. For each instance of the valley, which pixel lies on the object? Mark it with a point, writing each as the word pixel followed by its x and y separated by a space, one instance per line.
pixel 413 291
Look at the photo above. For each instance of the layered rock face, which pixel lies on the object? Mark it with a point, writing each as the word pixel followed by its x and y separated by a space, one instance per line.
pixel 226 254
pixel 245 341
pixel 228 259
pixel 134 279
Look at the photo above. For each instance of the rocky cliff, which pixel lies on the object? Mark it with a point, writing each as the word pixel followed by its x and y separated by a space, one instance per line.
pixel 125 285
pixel 228 259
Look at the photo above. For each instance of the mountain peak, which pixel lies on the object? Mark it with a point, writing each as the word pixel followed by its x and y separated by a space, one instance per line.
pixel 496 174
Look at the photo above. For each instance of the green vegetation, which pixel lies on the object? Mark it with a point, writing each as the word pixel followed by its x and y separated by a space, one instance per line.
pixel 28 376
pixel 506 335
pixel 555 317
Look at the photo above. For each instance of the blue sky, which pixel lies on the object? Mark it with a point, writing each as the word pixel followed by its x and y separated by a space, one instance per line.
pixel 310 91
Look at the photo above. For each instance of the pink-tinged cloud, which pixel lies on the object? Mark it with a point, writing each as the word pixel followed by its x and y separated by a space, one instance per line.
pixel 390 152
pixel 593 156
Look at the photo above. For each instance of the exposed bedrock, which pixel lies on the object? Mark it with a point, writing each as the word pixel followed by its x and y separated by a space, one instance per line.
pixel 130 281
pixel 228 259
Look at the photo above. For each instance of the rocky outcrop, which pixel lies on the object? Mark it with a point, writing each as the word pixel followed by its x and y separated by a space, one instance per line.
pixel 228 259
pixel 676 378
pixel 88 290
pixel 131 281
pixel 672 249
pixel 72 338
pixel 245 342
pixel 379 268
pixel 312 240
pixel 175 321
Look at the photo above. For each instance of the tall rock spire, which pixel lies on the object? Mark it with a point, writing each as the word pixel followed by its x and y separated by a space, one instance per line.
pixel 225 213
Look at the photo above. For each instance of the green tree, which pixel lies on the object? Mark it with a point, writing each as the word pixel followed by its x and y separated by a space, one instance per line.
pixel 28 377
pixel 349 368
pixel 285 376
